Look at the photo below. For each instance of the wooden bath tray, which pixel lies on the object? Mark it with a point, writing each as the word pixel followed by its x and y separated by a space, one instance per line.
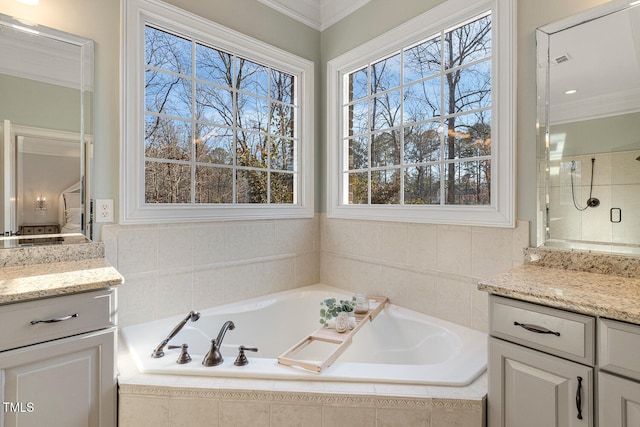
pixel 330 335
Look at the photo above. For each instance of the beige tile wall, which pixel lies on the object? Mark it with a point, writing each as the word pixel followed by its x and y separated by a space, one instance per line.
pixel 171 269
pixel 155 406
pixel 434 269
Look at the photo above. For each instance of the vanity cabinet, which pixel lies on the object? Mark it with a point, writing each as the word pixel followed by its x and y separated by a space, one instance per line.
pixel 57 361
pixel 541 366
pixel 619 376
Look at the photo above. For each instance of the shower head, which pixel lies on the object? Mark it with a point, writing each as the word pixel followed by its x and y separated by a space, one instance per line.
pixel 194 316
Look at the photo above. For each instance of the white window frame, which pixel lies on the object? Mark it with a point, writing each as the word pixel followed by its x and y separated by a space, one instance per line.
pixel 137 13
pixel 501 211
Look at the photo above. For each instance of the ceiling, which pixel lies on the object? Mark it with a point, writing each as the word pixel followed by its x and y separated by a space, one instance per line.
pixel 600 60
pixel 318 14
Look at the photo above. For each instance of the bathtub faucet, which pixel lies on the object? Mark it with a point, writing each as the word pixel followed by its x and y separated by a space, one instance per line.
pixel 158 351
pixel 214 358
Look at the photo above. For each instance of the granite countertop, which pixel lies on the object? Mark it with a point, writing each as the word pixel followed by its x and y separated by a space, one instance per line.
pixel 596 294
pixel 21 283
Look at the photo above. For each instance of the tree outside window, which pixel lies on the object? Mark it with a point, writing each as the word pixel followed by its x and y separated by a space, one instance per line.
pixel 219 128
pixel 417 123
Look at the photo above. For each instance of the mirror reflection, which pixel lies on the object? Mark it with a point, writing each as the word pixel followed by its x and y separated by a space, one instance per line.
pixel 46 78
pixel 589 130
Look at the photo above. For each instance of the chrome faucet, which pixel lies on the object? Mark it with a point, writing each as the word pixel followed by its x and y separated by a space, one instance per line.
pixel 158 351
pixel 213 357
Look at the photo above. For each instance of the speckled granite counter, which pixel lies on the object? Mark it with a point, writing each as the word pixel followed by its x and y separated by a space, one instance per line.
pixel 54 271
pixel 605 295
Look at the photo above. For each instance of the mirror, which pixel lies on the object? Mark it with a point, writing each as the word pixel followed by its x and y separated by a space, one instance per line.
pixel 588 70
pixel 46 122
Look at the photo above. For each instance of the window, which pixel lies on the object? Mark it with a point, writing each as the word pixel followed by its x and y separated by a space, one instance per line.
pixel 220 125
pixel 417 131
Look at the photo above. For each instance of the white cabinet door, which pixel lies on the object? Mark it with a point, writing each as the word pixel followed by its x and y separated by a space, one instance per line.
pixel 618 401
pixel 69 382
pixel 528 388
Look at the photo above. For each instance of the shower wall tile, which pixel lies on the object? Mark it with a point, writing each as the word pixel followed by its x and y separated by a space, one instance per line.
pixel 627 168
pixel 626 198
pixel 614 174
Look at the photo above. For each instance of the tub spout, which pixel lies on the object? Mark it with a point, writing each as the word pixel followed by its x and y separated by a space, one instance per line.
pixel 158 351
pixel 213 357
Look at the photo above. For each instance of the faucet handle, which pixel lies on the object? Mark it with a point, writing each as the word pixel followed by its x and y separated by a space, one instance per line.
pixel 242 360
pixel 184 356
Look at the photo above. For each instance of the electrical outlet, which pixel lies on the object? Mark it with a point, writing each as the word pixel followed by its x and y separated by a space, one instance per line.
pixel 104 210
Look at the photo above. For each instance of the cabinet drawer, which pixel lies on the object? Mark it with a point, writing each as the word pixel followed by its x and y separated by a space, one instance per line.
pixel 553 331
pixel 619 348
pixel 32 322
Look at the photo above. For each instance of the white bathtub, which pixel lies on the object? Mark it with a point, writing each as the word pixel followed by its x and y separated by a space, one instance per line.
pixel 400 346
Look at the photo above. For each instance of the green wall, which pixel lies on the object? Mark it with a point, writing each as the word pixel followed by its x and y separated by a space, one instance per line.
pixel 31 103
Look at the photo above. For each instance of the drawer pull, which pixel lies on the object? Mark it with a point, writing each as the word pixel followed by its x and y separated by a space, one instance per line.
pixel 59 319
pixel 579 398
pixel 536 329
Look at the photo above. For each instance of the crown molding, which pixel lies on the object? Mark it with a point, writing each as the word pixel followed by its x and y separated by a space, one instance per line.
pixel 318 14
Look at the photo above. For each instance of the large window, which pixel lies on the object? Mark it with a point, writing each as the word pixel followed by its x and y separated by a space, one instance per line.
pixel 219 129
pixel 415 125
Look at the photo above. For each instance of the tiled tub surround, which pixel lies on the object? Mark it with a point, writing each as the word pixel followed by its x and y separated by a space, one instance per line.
pixel 432 269
pixel 173 268
pixel 170 400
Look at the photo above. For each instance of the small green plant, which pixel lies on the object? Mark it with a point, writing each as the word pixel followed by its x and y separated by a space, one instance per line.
pixel 330 308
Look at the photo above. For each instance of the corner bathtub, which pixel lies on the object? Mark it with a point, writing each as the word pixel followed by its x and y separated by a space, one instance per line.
pixel 399 346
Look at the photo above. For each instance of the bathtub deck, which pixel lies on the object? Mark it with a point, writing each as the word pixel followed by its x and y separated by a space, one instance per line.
pixel 342 340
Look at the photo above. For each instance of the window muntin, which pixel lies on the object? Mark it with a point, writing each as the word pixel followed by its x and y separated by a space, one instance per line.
pixel 209 164
pixel 346 175
pixel 224 134
pixel 417 123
